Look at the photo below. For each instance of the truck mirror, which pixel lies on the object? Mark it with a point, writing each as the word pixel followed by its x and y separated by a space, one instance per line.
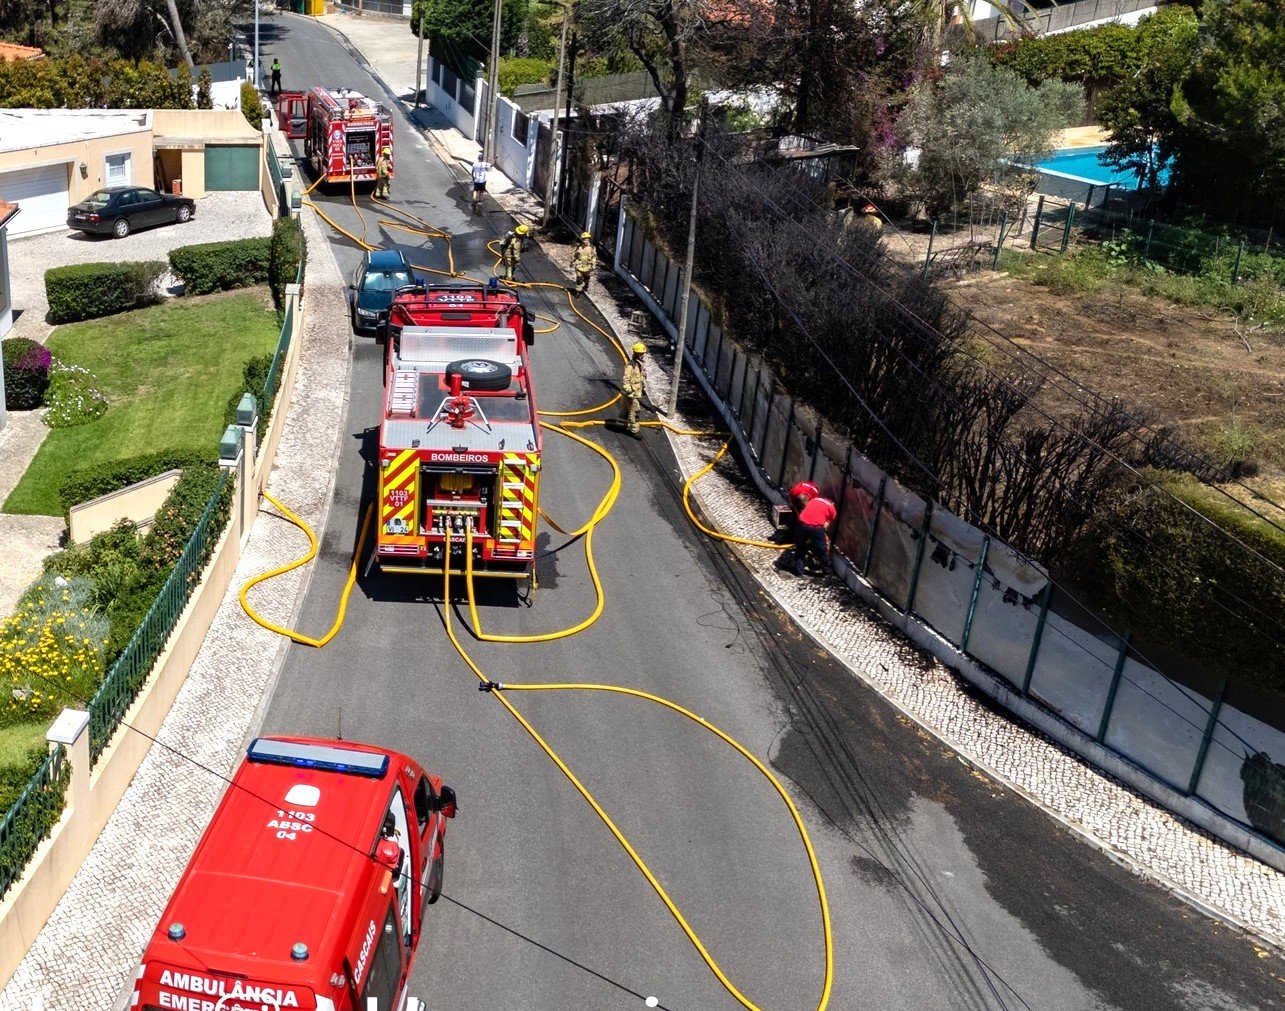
pixel 446 802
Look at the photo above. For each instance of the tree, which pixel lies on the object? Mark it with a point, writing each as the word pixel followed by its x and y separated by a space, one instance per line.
pixel 1138 111
pixel 176 26
pixel 1231 111
pixel 979 125
pixel 205 84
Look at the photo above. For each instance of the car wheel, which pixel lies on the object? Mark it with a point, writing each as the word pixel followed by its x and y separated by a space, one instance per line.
pixel 481 374
pixel 436 875
pixel 121 228
pixel 184 213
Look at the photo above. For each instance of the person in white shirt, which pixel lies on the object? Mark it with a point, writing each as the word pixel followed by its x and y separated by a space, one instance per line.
pixel 480 169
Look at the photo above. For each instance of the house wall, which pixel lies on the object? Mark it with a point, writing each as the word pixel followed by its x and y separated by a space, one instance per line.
pixel 93 154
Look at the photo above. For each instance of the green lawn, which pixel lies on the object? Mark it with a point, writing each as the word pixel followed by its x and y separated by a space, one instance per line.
pixel 168 372
pixel 17 741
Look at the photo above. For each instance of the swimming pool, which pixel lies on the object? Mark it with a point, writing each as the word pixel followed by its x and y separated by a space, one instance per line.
pixel 1087 165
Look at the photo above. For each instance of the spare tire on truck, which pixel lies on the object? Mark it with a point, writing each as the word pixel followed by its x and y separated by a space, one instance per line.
pixel 480 374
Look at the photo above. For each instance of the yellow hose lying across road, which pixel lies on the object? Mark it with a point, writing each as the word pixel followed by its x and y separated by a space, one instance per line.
pixel 291 634
pixel 620 836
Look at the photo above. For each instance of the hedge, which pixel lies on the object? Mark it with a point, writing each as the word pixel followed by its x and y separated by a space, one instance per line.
pixel 219 266
pixel 90 290
pixel 82 485
pixel 251 105
pixel 289 254
pixel 254 377
pixel 26 373
pixel 37 818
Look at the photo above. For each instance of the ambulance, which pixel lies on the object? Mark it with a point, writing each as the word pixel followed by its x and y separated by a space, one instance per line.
pixel 309 887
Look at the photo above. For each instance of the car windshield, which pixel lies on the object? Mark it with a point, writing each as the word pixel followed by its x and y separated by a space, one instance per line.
pixel 99 199
pixel 385 280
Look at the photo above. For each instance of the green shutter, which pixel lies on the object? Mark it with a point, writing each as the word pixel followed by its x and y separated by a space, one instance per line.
pixel 232 167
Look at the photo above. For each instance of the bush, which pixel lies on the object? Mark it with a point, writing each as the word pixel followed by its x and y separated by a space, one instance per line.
pixel 73 397
pixel 518 70
pixel 26 373
pixel 51 648
pixel 288 257
pixel 251 105
pixel 90 290
pixel 82 485
pixel 37 817
pixel 110 561
pixel 177 518
pixel 219 266
pixel 254 377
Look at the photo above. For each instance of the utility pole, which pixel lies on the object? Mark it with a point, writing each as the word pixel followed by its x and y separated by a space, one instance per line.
pixel 419 55
pixel 687 268
pixel 258 75
pixel 493 87
pixel 567 133
pixel 553 122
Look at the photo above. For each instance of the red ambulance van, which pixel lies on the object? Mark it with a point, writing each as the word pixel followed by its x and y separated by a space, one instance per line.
pixel 309 887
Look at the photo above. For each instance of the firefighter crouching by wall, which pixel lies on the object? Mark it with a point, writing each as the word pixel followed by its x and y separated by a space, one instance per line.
pixel 511 247
pixel 383 172
pixel 631 386
pixel 812 531
pixel 584 262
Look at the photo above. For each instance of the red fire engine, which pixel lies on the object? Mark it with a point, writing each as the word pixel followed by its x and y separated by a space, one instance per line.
pixel 343 131
pixel 460 441
pixel 308 888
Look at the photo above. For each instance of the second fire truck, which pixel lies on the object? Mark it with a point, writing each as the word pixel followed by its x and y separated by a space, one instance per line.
pixel 343 131
pixel 460 441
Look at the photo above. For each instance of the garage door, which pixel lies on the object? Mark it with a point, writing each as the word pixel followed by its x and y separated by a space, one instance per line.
pixel 42 195
pixel 232 167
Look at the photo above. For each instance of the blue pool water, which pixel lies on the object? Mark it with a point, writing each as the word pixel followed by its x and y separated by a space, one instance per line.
pixel 1086 163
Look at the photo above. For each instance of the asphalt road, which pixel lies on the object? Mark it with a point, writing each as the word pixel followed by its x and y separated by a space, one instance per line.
pixel 946 890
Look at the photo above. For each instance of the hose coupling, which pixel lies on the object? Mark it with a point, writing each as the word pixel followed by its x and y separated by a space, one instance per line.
pixel 490 686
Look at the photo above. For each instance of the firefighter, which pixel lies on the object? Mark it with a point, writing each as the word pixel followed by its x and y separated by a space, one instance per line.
pixel 511 247
pixel 631 386
pixel 276 75
pixel 383 169
pixel 812 532
pixel 584 261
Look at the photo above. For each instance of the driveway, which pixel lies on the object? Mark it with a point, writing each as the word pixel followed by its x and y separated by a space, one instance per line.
pixel 219 216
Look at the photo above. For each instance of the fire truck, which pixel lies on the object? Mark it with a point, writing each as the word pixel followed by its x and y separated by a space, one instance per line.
pixel 309 887
pixel 343 131
pixel 460 440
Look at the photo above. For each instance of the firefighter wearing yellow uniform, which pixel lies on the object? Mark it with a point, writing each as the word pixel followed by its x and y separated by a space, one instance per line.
pixel 584 262
pixel 511 249
pixel 631 385
pixel 383 171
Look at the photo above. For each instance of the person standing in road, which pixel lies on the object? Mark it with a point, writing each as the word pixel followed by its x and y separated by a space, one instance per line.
pixel 511 247
pixel 383 172
pixel 812 532
pixel 632 388
pixel 480 170
pixel 584 262
pixel 276 75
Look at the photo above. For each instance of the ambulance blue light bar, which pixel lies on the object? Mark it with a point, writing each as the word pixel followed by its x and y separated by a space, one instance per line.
pixel 317 756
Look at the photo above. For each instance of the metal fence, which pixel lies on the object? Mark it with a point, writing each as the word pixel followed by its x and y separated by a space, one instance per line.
pixel 131 669
pixel 983 597
pixel 32 816
pixel 1179 249
pixel 272 381
pixel 280 174
pixel 394 7
pixel 1026 20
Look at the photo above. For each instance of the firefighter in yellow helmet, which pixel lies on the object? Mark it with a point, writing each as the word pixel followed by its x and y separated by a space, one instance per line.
pixel 631 387
pixel 511 247
pixel 383 172
pixel 584 262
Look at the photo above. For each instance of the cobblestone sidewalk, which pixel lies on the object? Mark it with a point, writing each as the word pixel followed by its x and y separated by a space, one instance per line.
pixel 1148 839
pixel 86 954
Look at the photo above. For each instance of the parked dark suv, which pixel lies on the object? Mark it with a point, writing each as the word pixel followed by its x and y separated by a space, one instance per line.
pixel 119 210
pixel 380 274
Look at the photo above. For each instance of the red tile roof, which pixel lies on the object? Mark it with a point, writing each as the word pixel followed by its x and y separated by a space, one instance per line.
pixel 11 52
pixel 7 211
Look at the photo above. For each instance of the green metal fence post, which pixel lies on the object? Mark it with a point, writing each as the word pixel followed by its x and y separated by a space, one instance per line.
pixel 1235 270
pixel 1035 227
pixel 999 243
pixel 919 558
pixel 928 256
pixel 1207 737
pixel 816 451
pixel 1146 246
pixel 785 444
pixel 874 527
pixel 1070 220
pixel 1115 687
pixel 977 586
pixel 1045 599
pixel 843 490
